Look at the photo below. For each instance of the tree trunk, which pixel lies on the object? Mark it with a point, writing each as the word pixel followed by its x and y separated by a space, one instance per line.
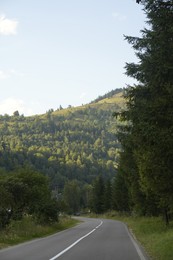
pixel 166 216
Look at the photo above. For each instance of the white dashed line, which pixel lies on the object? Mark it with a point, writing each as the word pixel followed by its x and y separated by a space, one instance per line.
pixel 76 242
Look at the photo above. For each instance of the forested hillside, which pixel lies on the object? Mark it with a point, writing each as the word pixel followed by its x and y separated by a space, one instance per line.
pixel 74 143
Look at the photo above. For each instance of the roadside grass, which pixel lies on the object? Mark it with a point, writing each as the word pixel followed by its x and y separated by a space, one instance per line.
pixel 26 229
pixel 151 232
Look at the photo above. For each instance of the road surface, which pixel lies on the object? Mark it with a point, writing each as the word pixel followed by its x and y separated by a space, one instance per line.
pixel 93 239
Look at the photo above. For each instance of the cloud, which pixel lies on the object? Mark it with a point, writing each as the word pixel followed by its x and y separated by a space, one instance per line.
pixel 119 17
pixel 11 104
pixel 5 74
pixel 7 26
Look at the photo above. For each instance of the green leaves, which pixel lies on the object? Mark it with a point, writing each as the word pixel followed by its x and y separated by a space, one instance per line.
pixel 26 192
pixel 149 108
pixel 64 144
pixel 72 196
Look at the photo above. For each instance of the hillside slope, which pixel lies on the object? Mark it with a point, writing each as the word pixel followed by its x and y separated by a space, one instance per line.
pixel 73 143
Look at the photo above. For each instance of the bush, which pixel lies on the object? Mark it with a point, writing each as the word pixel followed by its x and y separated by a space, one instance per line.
pixel 48 212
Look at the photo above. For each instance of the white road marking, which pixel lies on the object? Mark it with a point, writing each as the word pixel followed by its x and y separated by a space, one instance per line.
pixel 76 242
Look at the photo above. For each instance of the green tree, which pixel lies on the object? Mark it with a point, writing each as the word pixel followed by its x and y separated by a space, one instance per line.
pixel 27 192
pixel 120 199
pixel 149 104
pixel 86 196
pixel 71 196
pixel 5 207
pixel 16 113
pixel 97 203
pixel 108 195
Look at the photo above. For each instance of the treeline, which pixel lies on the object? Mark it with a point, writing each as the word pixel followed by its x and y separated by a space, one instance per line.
pixel 146 161
pixel 102 195
pixel 25 192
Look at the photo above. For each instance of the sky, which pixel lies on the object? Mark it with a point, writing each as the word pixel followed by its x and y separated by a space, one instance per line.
pixel 63 52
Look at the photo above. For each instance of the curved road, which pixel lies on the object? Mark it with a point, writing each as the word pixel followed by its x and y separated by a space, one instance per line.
pixel 93 239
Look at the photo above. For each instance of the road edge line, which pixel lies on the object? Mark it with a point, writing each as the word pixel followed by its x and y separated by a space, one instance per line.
pixel 135 243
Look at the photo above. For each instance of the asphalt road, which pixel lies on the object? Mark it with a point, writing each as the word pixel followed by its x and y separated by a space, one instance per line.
pixel 93 239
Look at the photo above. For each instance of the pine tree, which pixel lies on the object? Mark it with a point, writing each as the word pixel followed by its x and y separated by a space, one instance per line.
pixel 149 104
pixel 97 204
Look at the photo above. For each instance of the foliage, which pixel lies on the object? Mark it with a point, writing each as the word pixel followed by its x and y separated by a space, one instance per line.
pixel 26 192
pixel 27 229
pixel 70 146
pixel 71 196
pixel 74 143
pixel 48 211
pixel 148 136
pixel 5 202
pixel 97 205
pixel 95 197
pixel 120 198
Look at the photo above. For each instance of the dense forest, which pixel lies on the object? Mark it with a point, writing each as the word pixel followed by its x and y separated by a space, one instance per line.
pixel 71 147
pixel 73 143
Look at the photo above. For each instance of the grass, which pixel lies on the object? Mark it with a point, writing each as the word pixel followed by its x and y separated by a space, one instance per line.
pixel 24 230
pixel 151 232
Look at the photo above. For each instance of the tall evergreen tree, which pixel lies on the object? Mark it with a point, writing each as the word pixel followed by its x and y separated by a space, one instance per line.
pixel 107 195
pixel 71 196
pixel 98 195
pixel 149 104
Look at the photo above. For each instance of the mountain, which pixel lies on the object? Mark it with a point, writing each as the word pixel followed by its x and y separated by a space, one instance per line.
pixel 74 143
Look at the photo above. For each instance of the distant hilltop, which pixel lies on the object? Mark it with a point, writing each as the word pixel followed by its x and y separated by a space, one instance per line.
pixel 110 94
